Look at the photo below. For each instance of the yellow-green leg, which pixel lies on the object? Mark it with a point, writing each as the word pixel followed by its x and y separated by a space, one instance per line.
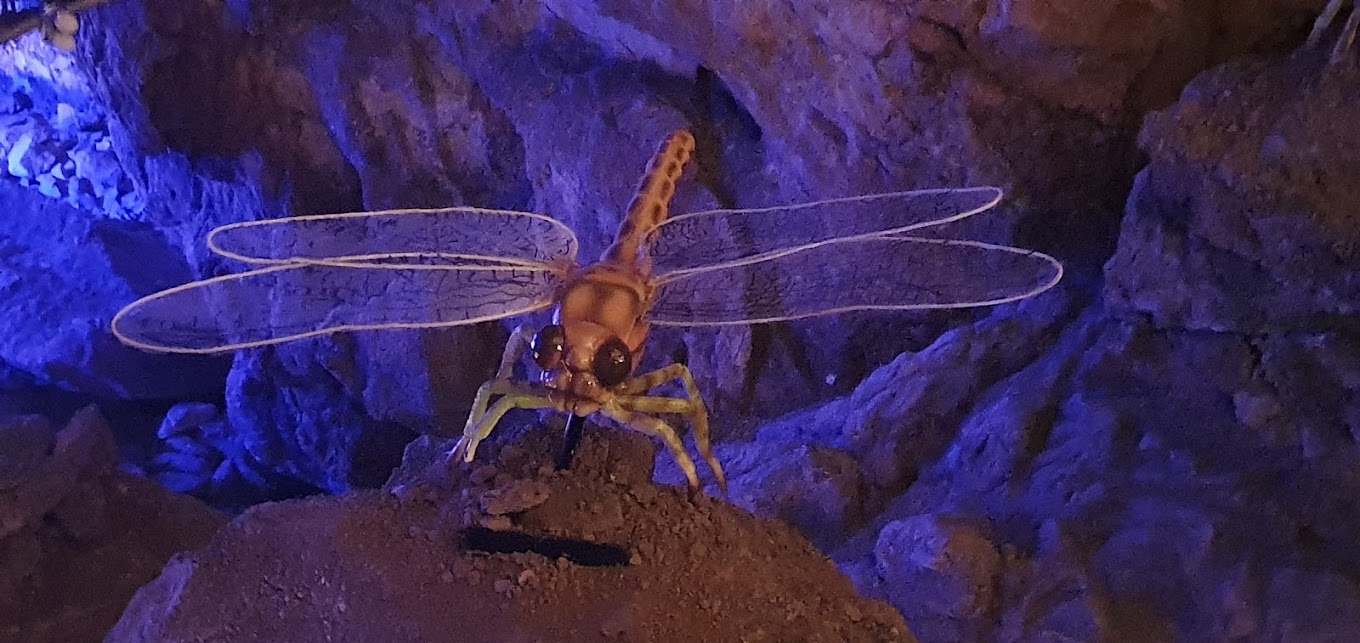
pixel 474 433
pixel 493 388
pixel 1348 31
pixel 514 350
pixel 655 427
pixel 693 408
pixel 658 404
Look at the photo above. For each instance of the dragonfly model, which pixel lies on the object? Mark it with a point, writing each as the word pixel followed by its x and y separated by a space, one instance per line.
pixel 430 268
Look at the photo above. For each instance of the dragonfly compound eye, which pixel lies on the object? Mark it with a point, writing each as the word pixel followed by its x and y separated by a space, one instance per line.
pixel 547 346
pixel 613 363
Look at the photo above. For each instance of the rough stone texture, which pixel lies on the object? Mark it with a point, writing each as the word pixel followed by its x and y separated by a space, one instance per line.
pixel 818 489
pixel 199 454
pixel 28 442
pixel 291 410
pixel 1133 474
pixel 1033 96
pixel 63 275
pixel 393 563
pixel 942 575
pixel 220 114
pixel 265 106
pixel 1247 218
pixel 55 136
pixel 77 536
pixel 1176 461
pixel 47 467
pixel 365 105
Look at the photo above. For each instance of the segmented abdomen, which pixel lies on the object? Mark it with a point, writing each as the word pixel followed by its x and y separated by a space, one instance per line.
pixel 651 204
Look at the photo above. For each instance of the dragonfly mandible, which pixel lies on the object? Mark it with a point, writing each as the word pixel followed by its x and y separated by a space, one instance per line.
pixel 428 268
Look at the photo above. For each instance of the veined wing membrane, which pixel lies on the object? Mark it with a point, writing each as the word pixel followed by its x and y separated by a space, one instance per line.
pixel 454 236
pixel 291 301
pixel 872 273
pixel 717 238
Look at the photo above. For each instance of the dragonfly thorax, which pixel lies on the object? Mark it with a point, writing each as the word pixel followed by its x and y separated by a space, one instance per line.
pixel 612 295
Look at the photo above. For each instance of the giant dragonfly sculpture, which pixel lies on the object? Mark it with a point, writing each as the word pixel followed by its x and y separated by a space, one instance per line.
pixel 463 265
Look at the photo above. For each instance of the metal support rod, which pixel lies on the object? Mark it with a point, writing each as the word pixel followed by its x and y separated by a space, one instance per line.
pixel 571 437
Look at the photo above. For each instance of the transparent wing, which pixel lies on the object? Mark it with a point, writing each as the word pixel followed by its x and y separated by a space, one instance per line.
pixel 455 236
pixel 882 273
pixel 291 301
pixel 717 238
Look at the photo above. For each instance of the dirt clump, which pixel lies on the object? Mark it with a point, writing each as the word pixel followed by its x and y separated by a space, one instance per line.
pixel 607 555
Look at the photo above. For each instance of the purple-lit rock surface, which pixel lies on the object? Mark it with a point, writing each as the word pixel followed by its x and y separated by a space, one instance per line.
pixel 943 576
pixel 1248 216
pixel 64 273
pixel 220 114
pixel 1163 447
pixel 1132 481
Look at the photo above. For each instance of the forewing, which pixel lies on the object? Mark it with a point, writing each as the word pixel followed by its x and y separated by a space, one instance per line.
pixel 454 236
pixel 873 273
pixel 716 238
pixel 292 301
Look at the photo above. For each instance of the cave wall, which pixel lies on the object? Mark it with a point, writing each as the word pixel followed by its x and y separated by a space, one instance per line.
pixel 1162 436
pixel 253 110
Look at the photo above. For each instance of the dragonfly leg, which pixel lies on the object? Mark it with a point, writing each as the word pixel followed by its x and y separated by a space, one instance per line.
pixel 1325 20
pixel 514 350
pixel 475 432
pixel 1343 44
pixel 657 428
pixel 488 390
pixel 693 408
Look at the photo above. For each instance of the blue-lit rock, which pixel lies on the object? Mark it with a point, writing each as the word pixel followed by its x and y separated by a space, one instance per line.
pixel 290 409
pixel 943 574
pixel 1168 454
pixel 63 274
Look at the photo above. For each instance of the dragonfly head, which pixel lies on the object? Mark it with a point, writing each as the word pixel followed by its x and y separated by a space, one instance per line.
pixel 582 363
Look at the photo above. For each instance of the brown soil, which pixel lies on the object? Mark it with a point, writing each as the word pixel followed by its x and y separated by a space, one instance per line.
pixel 394 565
pixel 112 535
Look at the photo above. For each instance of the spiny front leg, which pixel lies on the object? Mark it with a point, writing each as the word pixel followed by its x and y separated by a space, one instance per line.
pixel 693 408
pixel 1325 20
pixel 474 433
pixel 514 350
pixel 493 388
pixel 657 428
pixel 658 404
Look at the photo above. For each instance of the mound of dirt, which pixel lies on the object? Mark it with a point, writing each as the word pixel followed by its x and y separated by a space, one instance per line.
pixel 509 550
pixel 78 536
